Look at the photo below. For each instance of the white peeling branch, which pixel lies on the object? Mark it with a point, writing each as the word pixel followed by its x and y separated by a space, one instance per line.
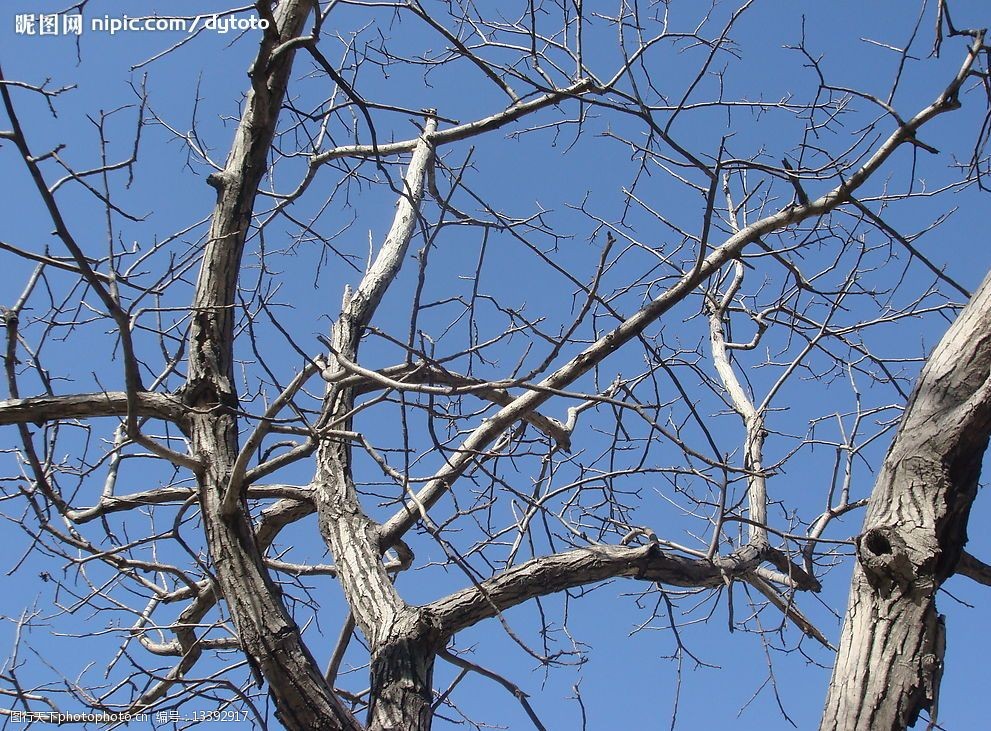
pixel 366 297
pixel 352 536
pixel 633 326
pixel 753 420
pixel 361 304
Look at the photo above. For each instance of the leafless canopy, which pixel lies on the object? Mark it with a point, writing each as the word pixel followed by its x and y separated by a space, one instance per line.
pixel 457 307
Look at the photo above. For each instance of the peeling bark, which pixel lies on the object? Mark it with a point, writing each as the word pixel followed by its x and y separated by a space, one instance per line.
pixel 891 650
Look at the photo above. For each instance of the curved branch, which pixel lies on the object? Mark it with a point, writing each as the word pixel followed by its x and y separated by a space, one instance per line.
pixel 350 534
pixel 560 571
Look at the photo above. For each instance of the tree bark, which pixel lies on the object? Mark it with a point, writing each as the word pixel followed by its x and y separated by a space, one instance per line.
pixel 268 635
pixel 402 643
pixel 402 675
pixel 891 650
pixel 89 405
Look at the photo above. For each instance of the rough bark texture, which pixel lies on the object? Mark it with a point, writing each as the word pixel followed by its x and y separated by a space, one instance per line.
pixel 889 665
pixel 891 650
pixel 268 635
pixel 88 405
pixel 402 645
pixel 550 574
pixel 402 675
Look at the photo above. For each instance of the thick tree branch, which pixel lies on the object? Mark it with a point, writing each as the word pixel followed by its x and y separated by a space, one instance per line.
pixel 550 574
pixel 41 409
pixel 269 636
pixel 658 338
pixel 973 568
pixel 402 655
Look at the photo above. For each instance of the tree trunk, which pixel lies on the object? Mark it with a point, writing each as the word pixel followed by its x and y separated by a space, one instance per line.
pixel 269 637
pixel 891 649
pixel 402 677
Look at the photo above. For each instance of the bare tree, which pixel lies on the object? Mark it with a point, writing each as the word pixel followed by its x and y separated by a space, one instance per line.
pixel 493 303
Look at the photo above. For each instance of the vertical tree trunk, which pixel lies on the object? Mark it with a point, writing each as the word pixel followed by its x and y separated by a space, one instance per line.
pixel 268 634
pixel 402 677
pixel 269 637
pixel 891 649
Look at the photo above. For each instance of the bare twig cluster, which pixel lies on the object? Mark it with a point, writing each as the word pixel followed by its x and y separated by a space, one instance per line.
pixel 484 402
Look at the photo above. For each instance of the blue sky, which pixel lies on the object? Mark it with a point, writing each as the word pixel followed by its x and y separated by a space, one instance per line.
pixel 627 677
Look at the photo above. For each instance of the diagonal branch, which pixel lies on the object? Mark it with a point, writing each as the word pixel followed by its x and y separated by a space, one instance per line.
pixel 549 574
pixel 633 326
pixel 974 569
